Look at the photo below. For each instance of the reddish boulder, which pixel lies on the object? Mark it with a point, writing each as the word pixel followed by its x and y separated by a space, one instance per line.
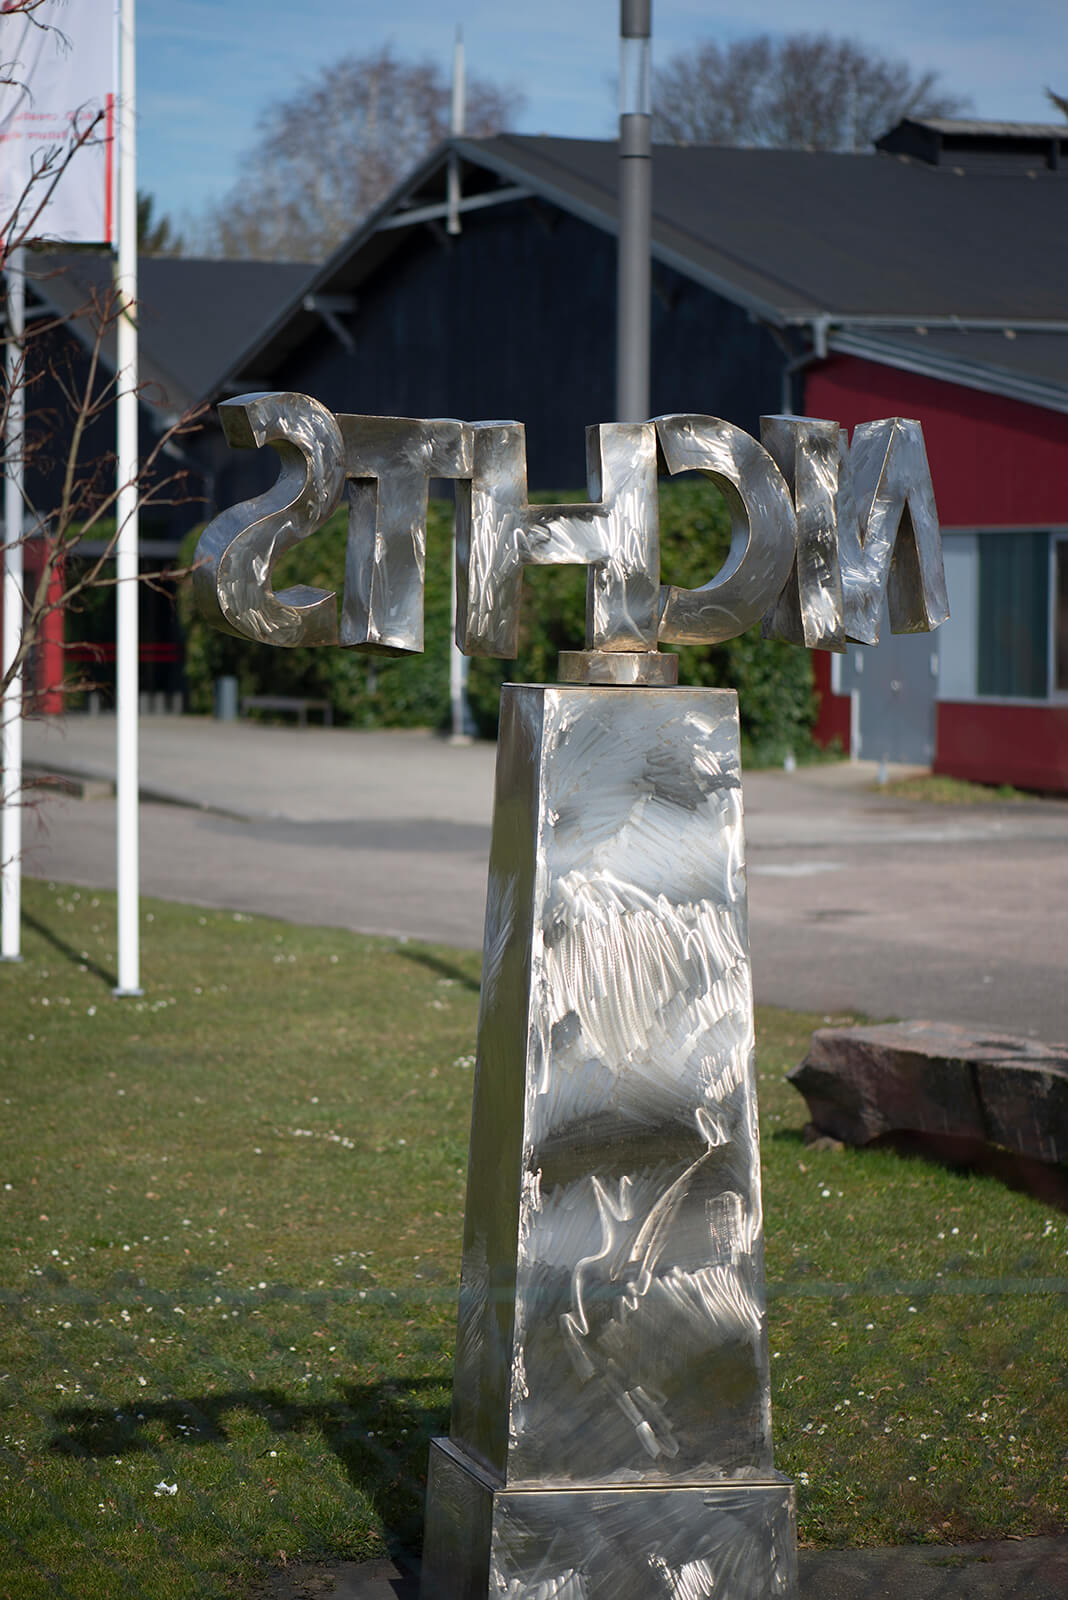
pixel 960 1094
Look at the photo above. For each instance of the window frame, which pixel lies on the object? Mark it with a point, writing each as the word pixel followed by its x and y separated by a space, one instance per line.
pixel 1057 534
pixel 1058 541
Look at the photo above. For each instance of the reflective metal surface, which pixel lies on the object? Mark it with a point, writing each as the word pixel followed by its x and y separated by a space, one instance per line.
pixel 616 535
pixel 614 1174
pixel 736 1541
pixel 864 525
pixel 237 552
pixel 611 1421
pixel 390 461
pixel 809 609
pixel 653 667
pixel 611 1325
pixel 888 535
pixel 764 532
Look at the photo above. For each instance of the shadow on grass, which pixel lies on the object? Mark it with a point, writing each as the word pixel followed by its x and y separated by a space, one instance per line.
pixel 67 950
pixel 444 969
pixel 964 1156
pixel 380 1433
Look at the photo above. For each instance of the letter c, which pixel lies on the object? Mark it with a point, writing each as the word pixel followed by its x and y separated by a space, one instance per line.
pixel 763 529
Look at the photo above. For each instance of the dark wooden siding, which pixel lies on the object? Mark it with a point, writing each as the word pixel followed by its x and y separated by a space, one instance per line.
pixel 515 318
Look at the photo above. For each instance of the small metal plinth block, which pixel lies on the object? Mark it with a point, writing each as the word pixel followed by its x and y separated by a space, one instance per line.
pixel 653 668
pixel 736 1540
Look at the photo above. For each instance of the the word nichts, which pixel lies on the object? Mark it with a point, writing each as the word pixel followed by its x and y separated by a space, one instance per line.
pixel 823 530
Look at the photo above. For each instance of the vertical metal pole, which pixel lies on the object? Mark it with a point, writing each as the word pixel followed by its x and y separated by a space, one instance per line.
pixel 457 117
pixel 11 709
pixel 126 643
pixel 458 666
pixel 457 673
pixel 635 211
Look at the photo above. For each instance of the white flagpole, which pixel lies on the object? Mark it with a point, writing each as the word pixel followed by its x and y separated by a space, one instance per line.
pixel 126 565
pixel 11 709
pixel 457 660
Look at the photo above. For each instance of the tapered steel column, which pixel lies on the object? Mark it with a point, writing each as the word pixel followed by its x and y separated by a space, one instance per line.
pixel 611 1427
pixel 635 212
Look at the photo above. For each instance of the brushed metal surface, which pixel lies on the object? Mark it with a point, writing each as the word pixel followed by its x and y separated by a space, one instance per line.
pixel 459 1528
pixel 889 541
pixel 763 530
pixel 611 1324
pixel 809 609
pixel 722 1541
pixel 654 667
pixel 616 535
pixel 237 552
pixel 816 541
pixel 389 462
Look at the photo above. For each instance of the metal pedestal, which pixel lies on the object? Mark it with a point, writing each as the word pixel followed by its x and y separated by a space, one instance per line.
pixel 611 1429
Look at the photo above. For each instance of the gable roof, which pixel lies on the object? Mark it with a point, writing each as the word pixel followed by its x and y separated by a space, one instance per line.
pixel 861 247
pixel 194 316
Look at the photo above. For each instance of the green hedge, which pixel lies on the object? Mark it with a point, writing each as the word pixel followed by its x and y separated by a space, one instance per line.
pixel 774 681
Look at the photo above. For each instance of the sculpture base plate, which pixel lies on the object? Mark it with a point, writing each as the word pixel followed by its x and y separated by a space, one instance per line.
pixel 734 1540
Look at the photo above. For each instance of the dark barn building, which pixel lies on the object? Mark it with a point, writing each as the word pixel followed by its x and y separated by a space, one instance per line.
pixel 926 280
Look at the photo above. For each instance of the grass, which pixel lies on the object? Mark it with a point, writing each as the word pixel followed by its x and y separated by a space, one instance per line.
pixel 230 1239
pixel 935 789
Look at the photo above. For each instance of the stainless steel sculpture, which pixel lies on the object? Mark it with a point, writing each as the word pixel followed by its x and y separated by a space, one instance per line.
pixel 763 526
pixel 853 504
pixel 616 535
pixel 611 1424
pixel 611 1418
pixel 237 552
pixel 389 462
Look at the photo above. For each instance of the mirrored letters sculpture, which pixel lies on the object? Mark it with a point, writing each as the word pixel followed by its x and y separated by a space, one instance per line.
pixel 821 530
pixel 611 1420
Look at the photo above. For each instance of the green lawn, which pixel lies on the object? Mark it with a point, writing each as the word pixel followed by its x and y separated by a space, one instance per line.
pixel 230 1243
pixel 936 789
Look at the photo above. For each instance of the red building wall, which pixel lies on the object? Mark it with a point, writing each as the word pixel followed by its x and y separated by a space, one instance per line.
pixel 1026 746
pixel 994 463
pixel 42 684
pixel 835 714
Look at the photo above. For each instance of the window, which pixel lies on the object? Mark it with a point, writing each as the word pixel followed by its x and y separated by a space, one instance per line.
pixel 1014 613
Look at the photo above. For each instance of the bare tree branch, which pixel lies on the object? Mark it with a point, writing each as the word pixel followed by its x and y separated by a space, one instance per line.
pixel 66 386
pixel 802 92
pixel 27 9
pixel 329 153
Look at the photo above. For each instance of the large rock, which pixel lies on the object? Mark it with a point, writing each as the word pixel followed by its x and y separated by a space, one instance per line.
pixel 960 1094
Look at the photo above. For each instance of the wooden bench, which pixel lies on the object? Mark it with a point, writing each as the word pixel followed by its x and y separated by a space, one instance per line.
pixel 289 703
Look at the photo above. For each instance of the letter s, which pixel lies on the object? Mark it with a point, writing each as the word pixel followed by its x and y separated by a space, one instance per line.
pixel 237 552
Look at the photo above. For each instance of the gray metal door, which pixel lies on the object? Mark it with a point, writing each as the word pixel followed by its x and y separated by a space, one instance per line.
pixel 896 683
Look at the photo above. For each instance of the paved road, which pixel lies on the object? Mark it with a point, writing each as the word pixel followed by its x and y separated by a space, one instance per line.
pixel 858 902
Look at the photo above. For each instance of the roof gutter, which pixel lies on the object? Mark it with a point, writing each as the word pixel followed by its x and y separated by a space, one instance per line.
pixel 857 336
pixel 1047 395
pixel 919 320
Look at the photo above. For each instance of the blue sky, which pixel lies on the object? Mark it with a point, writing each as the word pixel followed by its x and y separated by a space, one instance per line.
pixel 205 67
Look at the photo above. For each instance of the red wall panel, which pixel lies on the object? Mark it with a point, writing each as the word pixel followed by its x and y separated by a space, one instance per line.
pixel 1023 745
pixel 994 462
pixel 834 717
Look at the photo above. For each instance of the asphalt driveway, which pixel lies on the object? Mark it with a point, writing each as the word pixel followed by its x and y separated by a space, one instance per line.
pixel 858 902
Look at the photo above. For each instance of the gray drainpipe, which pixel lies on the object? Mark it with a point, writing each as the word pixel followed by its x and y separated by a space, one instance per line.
pixel 820 327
